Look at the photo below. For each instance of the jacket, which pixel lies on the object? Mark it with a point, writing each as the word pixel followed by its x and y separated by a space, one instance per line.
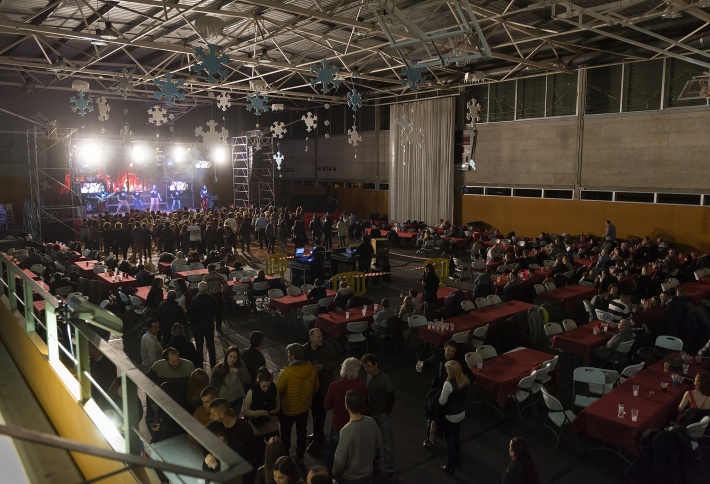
pixel 296 384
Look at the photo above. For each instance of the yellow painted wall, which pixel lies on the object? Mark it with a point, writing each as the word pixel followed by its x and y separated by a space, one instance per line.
pixel 68 417
pixel 363 202
pixel 686 226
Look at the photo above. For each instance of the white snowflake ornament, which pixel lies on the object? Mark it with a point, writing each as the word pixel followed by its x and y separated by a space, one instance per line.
pixel 124 83
pixel 158 115
pixel 104 108
pixel 473 113
pixel 212 137
pixel 278 130
pixel 279 158
pixel 224 101
pixel 354 136
pixel 310 120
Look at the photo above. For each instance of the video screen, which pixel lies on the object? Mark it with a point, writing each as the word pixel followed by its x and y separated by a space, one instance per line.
pixel 92 187
pixel 179 186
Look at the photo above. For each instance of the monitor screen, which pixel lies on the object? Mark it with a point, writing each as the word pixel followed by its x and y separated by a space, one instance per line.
pixel 92 187
pixel 300 251
pixel 179 186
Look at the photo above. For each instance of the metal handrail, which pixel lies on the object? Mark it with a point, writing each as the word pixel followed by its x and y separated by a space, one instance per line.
pixel 132 379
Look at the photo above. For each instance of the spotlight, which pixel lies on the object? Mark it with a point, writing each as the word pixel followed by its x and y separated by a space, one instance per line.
pixel 178 153
pixel 90 152
pixel 219 154
pixel 139 153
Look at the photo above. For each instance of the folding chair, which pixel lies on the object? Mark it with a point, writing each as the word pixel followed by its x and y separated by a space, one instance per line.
pixel 467 306
pixel 669 343
pixel 356 334
pixel 587 376
pixel 486 351
pixel 482 302
pixel 557 415
pixel 479 335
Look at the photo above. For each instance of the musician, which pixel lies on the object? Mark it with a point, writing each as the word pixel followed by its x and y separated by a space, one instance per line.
pixel 155 199
pixel 122 201
pixel 137 204
pixel 101 197
pixel 205 196
pixel 175 196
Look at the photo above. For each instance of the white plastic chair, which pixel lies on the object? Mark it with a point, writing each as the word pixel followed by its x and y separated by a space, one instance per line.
pixel 669 343
pixel 695 432
pixel 275 293
pixel 196 266
pixel 467 306
pixel 539 288
pixel 482 302
pixel 534 266
pixel 523 393
pixel 590 310
pixel 240 293
pixel 550 285
pixel 306 288
pixel 479 335
pixel 260 293
pixel 494 299
pixel 589 376
pixel 325 302
pixel 557 415
pixel 461 338
pixel 64 291
pixel 568 324
pixel 236 275
pixel 473 359
pixel 552 329
pixel 182 268
pixel 486 351
pixel 356 334
pixel 550 365
pixel 250 272
pixel 293 291
pixel 630 371
pixel 309 314
pixel 417 321
pixel 548 263
pixel 460 269
pixel 604 316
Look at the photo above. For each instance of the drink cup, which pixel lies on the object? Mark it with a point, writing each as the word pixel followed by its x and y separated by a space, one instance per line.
pixel 347 314
pixel 479 366
pixel 651 395
pixel 374 307
pixel 595 330
pixel 420 366
pixel 636 390
pixel 634 414
pixel 686 367
pixel 664 386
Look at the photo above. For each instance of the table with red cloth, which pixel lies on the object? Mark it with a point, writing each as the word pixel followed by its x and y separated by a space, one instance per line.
pixel 31 274
pixel 457 242
pixel 587 262
pixel 232 282
pixel 86 268
pixel 286 304
pixel 196 272
pixel 368 230
pixel 472 320
pixel 600 420
pixel 579 341
pixel 569 296
pixel 165 267
pixel 499 281
pixel 442 292
pixel 336 323
pixel 142 293
pixel 111 285
pixel 410 236
pixel 697 292
pixel 705 280
pixel 500 375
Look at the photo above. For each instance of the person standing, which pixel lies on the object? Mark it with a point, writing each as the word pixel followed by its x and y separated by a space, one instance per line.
pixel 260 225
pixel 328 232
pixel 270 232
pixel 122 201
pixel 252 356
pixel 324 359
pixel 380 400
pixel 296 384
pixel 201 313
pixel 151 351
pixel 359 441
pixel 155 199
pixel 453 401
pixel 364 253
pixel 521 469
pixel 205 198
pixel 175 196
pixel 430 283
pixel 216 286
pixel 610 232
pixel 230 378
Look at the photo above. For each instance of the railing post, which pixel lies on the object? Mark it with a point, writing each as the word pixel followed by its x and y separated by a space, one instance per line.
pixel 28 298
pixel 130 415
pixel 82 365
pixel 12 288
pixel 50 320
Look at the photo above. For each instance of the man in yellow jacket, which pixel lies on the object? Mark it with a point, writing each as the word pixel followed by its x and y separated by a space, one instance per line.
pixel 296 384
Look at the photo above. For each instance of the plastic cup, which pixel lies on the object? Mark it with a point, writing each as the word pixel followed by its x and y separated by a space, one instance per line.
pixel 479 366
pixel 636 390
pixel 595 331
pixel 374 307
pixel 664 386
pixel 686 367
pixel 634 414
pixel 420 366
pixel 347 314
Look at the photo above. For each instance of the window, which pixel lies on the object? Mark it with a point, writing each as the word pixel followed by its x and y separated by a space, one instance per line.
pixel 527 192
pixel 383 186
pixel 678 198
pixel 635 197
pixel 603 90
pixel 642 85
pixel 558 194
pixel 531 97
pixel 385 116
pixel 479 191
pixel 502 102
pixel 596 195
pixel 499 192
pixel 368 186
pixel 561 94
pixel 678 72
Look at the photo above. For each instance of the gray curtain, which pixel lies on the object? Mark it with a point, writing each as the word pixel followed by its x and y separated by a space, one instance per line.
pixel 421 183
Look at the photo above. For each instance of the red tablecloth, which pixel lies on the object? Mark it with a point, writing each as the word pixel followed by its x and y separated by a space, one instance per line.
pixel 569 296
pixel 232 282
pixel 499 281
pixel 500 375
pixel 705 280
pixel 31 274
pixel 697 292
pixel 457 242
pixel 86 267
pixel 472 320
pixel 579 341
pixel 587 262
pixel 445 291
pixel 142 293
pixel 165 267
pixel 600 420
pixel 336 323
pixel 286 304
pixel 184 274
pixel 114 286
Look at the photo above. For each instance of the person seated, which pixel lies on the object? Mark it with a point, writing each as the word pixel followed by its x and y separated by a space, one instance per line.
pixel 58 281
pixel 381 318
pixel 260 277
pixel 144 277
pixel 624 333
pixel 620 308
pixel 607 279
pixel 533 277
pixel 696 402
pixel 513 281
pixel 495 253
pixel 222 269
pixel 318 292
pixel 411 305
pixel 603 260
pixel 558 268
pixel 166 257
pixel 600 301
pixel 345 292
pixel 178 261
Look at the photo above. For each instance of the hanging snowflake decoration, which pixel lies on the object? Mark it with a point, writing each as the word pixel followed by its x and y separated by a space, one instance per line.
pixel 211 63
pixel 473 113
pixel 169 89
pixel 81 104
pixel 416 137
pixel 279 158
pixel 354 136
pixel 224 101
pixel 310 120
pixel 212 137
pixel 354 100
pixel 406 128
pixel 158 115
pixel 278 130
pixel 325 76
pixel 124 83
pixel 257 103
pixel 126 134
pixel 413 75
pixel 104 108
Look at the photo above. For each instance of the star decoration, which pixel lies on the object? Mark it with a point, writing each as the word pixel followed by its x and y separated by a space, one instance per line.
pixel 354 100
pixel 224 101
pixel 212 137
pixel 325 76
pixel 413 75
pixel 124 83
pixel 310 120
pixel 257 103
pixel 279 158
pixel 354 136
pixel 211 63
pixel 169 89
pixel 278 130
pixel 83 105
pixel 104 108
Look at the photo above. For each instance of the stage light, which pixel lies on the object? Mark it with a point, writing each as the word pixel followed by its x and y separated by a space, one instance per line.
pixel 91 152
pixel 178 153
pixel 219 154
pixel 140 153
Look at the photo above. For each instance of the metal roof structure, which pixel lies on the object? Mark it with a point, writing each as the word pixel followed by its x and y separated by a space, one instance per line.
pixel 48 44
